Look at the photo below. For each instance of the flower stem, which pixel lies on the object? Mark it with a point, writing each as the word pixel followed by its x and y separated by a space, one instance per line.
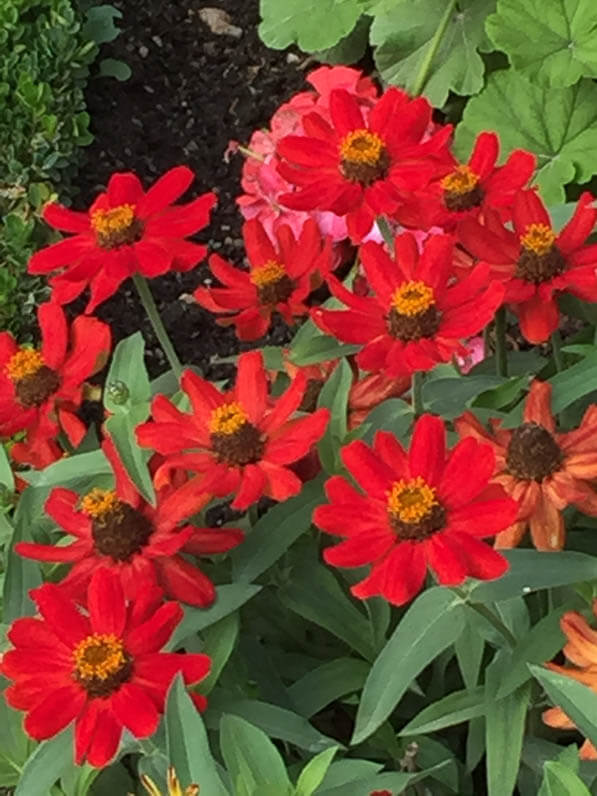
pixel 417 393
pixel 386 232
pixel 156 322
pixel 501 353
pixel 489 615
pixel 423 72
pixel 556 349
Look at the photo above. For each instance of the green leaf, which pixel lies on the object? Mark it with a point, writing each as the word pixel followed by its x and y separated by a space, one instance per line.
pixel 432 622
pixel 332 680
pixel 128 370
pixel 49 760
pixel 314 593
pixel 275 532
pixel 276 722
pixel 540 644
pixel 251 758
pixel 22 574
pixel 554 44
pixel 559 125
pixel 313 773
pixel 573 383
pixel 351 48
pixel 404 34
pixel 219 640
pixel 114 67
pixel 559 780
pixel 531 570
pixel 312 24
pixel 99 25
pixel 82 467
pixel 504 730
pixel 453 709
pixel 228 599
pixel 394 782
pixel 121 429
pixel 186 739
pixel 577 701
pixel 449 397
pixel 7 478
pixel 334 396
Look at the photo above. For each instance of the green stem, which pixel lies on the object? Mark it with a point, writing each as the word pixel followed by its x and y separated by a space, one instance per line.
pixel 489 615
pixel 501 353
pixel 417 393
pixel 386 232
pixel 556 349
pixel 423 72
pixel 158 327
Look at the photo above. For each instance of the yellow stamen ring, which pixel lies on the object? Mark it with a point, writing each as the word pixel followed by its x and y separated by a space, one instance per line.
pixel 413 298
pixel 228 418
pixel 538 238
pixel 411 501
pixel 362 147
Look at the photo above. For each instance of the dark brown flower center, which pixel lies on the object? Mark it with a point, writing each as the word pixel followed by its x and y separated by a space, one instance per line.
pixel 540 259
pixel 412 312
pixel 309 402
pixel 533 454
pixel 234 439
pixel 120 531
pixel 272 282
pixel 462 190
pixel 34 389
pixel 363 157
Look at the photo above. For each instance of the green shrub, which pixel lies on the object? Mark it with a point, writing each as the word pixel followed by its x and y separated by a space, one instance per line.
pixel 45 54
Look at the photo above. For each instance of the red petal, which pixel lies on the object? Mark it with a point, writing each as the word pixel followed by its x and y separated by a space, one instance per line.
pixel 135 710
pixel 398 578
pixel 252 487
pixel 467 473
pixel 345 112
pixel 104 738
pixel 54 334
pixel 481 560
pixel 538 318
pixel 529 209
pixel 153 634
pixel 61 614
pixel 125 488
pixel 251 385
pixel 485 154
pixel 444 559
pixel 167 189
pixel 427 454
pixel 185 582
pixel 360 549
pixel 369 471
pixel 56 711
pixel 537 408
pixel 64 219
pixel 124 188
pixel 105 603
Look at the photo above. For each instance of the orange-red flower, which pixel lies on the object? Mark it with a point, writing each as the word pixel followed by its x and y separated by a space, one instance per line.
pixel 362 165
pixel 279 280
pixel 103 670
pixel 125 231
pixel 418 315
pixel 581 651
pixel 534 262
pixel 141 544
pixel 41 390
pixel 239 441
pixel 543 470
pixel 468 189
pixel 425 507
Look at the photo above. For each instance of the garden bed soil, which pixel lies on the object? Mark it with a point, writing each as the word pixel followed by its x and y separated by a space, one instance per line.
pixel 190 93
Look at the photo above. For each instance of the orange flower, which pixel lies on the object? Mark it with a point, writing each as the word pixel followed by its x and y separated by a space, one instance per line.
pixel 580 650
pixel 543 470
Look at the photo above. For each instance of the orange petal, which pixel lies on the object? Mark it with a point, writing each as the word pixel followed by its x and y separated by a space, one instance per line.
pixel 537 408
pixel 547 526
pixel 587 751
pixel 582 465
pixel 582 641
pixel 511 537
pixel 555 717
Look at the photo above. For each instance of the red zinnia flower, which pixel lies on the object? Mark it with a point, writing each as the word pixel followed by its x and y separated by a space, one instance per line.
pixel 534 262
pixel 417 317
pixel 103 670
pixel 581 651
pixel 469 189
pixel 543 470
pixel 238 441
pixel 280 278
pixel 363 167
pixel 41 390
pixel 425 507
pixel 125 231
pixel 141 544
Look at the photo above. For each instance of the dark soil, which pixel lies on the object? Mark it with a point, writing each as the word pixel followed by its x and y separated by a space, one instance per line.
pixel 191 91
